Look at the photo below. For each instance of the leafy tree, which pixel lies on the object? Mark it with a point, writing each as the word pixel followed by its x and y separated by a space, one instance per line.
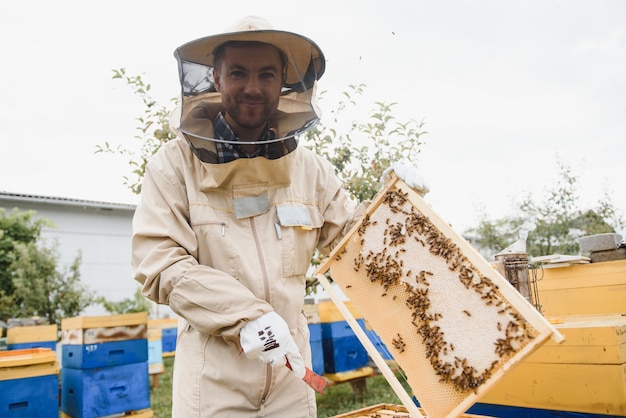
pixel 138 303
pixel 153 131
pixel 553 224
pixel 34 285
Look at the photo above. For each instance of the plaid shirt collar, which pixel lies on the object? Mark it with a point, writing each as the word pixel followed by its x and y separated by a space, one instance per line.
pixel 227 152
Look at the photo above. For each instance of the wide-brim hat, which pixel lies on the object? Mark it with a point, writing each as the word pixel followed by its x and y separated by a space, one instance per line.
pixel 305 60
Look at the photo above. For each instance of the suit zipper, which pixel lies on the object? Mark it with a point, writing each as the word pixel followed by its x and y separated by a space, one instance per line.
pixel 266 297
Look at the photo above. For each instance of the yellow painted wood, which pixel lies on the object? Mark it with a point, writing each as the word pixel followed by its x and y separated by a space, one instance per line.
pixel 156 368
pixel 312 313
pixel 155 334
pixel 329 313
pixel 144 413
pixel 163 323
pixel 29 334
pixel 350 375
pixel 26 357
pixel 81 322
pixel 18 364
pixel 587 388
pixel 595 288
pixel 592 339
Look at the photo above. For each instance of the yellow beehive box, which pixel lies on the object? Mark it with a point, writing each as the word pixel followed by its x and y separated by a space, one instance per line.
pixel 329 312
pixel 30 334
pixel 154 334
pixel 312 313
pixel 32 362
pixel 585 289
pixel 99 329
pixel 585 374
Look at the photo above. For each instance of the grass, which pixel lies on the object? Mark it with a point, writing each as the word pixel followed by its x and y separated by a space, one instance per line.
pixel 336 399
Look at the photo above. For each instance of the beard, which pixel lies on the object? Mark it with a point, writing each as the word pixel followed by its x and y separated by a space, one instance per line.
pixel 250 112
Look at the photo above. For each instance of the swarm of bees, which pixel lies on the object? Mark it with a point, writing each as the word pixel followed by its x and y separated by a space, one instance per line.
pixel 405 226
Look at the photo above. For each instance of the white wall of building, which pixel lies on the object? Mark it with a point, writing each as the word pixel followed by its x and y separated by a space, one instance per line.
pixel 100 231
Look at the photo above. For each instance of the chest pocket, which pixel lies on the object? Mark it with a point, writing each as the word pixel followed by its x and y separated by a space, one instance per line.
pixel 299 230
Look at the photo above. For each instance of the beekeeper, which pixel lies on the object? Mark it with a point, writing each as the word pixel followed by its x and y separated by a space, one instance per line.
pixel 230 215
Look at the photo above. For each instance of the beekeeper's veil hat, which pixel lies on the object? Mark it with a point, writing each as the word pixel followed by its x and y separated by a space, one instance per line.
pixel 201 102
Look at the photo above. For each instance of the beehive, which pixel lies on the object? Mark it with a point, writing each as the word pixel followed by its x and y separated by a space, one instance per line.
pixel 29 383
pixel 169 334
pixel 585 374
pixel 451 322
pixel 105 365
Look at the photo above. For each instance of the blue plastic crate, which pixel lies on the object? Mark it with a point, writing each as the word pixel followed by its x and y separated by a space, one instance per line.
pixel 344 354
pixel 99 392
pixel 52 345
pixel 339 329
pixel 30 397
pixel 114 353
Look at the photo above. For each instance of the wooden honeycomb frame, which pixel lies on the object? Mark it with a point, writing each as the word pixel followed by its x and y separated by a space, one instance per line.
pixel 452 323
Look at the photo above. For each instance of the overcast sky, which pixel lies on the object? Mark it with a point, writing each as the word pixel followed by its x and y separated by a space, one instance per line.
pixel 505 88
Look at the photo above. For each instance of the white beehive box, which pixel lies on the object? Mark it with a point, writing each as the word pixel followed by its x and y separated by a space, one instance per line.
pixel 452 323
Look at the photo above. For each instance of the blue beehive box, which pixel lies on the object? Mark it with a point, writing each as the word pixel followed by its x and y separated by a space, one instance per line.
pixel 30 397
pixel 317 348
pixel 342 349
pixel 92 393
pixel 115 353
pixel 29 383
pixel 168 339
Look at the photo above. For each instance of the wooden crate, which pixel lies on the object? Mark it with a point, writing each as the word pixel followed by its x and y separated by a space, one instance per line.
pixel 452 323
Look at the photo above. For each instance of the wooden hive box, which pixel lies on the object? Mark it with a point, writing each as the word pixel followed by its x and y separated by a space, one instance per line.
pixel 104 341
pixel 169 334
pixel 29 383
pixel 34 333
pixel 99 329
pixel 584 374
pixel 453 324
pixel 586 289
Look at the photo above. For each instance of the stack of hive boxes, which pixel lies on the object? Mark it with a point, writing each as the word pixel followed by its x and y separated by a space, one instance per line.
pixel 169 333
pixel 343 351
pixel 32 336
pixel 29 383
pixel 105 365
pixel 155 350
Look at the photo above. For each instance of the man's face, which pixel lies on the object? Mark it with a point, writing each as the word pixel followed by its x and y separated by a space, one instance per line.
pixel 249 79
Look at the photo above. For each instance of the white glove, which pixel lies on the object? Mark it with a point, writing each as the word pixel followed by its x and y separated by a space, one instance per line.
pixel 268 339
pixel 409 175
